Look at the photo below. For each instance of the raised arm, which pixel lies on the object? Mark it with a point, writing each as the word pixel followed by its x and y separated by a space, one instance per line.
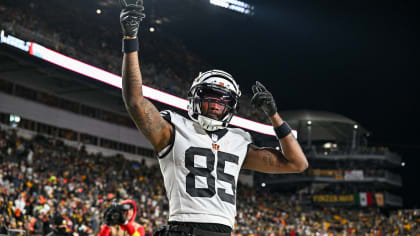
pixel 144 114
pixel 269 160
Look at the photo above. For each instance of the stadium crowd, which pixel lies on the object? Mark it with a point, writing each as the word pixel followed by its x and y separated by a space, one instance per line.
pixel 42 178
pixel 78 186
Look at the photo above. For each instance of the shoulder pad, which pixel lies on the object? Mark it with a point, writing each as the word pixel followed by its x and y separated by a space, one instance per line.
pixel 246 135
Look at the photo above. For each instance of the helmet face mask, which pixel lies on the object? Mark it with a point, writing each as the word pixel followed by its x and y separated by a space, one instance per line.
pixel 209 98
pixel 217 89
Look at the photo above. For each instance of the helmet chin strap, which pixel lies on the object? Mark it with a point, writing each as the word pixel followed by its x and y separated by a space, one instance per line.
pixel 210 124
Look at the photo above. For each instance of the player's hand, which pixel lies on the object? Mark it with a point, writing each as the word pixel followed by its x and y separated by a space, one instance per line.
pixel 131 16
pixel 263 99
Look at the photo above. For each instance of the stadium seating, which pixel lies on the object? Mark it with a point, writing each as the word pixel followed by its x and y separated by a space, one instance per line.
pixel 42 177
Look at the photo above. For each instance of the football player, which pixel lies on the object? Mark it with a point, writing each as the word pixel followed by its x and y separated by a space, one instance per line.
pixel 201 157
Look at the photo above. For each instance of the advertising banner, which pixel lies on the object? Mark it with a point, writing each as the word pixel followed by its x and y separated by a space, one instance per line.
pixel 350 175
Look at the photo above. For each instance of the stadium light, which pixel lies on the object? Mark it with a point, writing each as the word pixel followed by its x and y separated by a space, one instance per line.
pixel 234 5
pixel 14 120
pixel 90 71
pixel 327 145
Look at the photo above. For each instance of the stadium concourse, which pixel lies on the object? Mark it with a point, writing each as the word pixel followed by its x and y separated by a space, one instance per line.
pixel 68 147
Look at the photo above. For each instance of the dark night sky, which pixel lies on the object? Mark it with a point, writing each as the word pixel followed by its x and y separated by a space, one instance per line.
pixel 356 58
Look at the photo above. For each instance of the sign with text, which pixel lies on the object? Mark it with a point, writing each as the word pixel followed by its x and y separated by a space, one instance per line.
pixel 333 198
pixel 14 42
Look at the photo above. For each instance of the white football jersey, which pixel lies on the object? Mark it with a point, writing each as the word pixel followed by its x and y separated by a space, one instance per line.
pixel 201 170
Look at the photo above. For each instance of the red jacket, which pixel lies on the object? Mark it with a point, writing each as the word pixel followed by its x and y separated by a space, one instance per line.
pixel 130 229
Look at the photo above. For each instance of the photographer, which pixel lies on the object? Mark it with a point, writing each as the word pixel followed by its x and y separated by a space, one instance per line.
pixel 59 227
pixel 119 220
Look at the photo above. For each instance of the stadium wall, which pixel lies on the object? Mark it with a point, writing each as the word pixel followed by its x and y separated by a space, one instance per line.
pixel 68 120
pixel 91 149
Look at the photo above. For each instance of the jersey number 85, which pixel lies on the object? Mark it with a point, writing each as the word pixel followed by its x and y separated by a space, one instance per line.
pixel 210 191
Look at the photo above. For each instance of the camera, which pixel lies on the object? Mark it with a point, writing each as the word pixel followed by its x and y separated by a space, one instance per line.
pixel 114 215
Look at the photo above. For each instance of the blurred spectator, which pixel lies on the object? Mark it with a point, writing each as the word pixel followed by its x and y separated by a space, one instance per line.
pixel 59 226
pixel 3 228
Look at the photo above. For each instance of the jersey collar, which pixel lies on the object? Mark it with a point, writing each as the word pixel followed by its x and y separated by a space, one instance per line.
pixel 217 134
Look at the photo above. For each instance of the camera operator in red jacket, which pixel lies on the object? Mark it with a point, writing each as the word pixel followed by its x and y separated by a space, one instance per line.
pixel 119 220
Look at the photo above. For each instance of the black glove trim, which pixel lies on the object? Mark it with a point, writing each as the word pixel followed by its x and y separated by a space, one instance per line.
pixel 130 45
pixel 282 130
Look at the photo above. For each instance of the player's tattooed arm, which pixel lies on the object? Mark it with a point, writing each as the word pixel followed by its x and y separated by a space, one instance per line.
pixel 270 160
pixel 144 114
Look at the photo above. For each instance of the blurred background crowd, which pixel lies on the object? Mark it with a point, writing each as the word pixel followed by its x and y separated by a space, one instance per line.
pixel 43 178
